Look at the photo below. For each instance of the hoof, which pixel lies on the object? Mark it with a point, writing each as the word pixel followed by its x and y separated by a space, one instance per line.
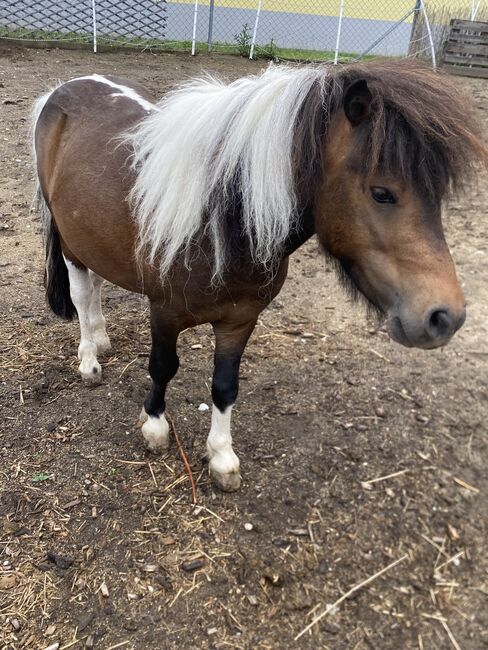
pixel 226 482
pixel 155 431
pixel 91 373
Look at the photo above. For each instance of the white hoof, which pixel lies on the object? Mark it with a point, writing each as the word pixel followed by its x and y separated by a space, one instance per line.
pixel 91 371
pixel 224 471
pixel 155 431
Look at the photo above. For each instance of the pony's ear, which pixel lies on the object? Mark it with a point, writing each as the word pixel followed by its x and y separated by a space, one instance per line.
pixel 357 102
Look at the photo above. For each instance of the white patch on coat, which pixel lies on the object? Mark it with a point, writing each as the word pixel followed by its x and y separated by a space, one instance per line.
pixel 123 91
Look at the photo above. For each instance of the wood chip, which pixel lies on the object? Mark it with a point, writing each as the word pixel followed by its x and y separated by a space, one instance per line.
pixel 8 581
pixel 193 565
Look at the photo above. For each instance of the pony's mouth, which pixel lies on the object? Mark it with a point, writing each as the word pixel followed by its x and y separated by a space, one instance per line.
pixel 416 338
pixel 397 333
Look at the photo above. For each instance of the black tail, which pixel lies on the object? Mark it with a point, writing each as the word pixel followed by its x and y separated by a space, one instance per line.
pixel 56 278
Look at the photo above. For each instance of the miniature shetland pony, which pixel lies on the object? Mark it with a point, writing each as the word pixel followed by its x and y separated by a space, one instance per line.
pixel 198 200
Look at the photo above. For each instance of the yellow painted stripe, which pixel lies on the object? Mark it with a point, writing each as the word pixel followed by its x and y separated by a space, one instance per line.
pixel 367 9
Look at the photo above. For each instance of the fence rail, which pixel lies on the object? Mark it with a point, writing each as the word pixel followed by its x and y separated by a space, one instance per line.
pixel 289 29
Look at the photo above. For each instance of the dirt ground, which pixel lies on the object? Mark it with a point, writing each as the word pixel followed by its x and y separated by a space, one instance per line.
pixel 100 545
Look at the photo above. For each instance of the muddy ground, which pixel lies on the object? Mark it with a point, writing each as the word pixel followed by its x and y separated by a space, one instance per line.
pixel 99 543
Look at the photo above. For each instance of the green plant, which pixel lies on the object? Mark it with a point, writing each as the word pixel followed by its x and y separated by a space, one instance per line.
pixel 268 51
pixel 243 40
pixel 40 477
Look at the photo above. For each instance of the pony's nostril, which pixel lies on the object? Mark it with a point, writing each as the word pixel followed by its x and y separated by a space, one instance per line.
pixel 440 323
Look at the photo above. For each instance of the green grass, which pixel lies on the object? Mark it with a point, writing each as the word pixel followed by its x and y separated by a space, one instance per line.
pixel 269 51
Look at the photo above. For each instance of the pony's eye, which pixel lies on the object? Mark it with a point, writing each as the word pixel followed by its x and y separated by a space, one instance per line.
pixel 382 195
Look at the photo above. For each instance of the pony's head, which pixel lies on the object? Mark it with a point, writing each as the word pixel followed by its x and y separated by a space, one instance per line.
pixel 398 139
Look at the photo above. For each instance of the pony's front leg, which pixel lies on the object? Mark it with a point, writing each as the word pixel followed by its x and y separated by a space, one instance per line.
pixel 223 462
pixel 163 365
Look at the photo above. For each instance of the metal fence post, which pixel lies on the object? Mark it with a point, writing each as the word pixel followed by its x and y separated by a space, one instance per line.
pixel 210 25
pixel 474 9
pixel 429 34
pixel 94 18
pixel 194 36
pixel 417 29
pixel 255 30
pixel 339 29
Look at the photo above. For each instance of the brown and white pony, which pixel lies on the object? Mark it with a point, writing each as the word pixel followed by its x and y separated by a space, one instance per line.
pixel 198 200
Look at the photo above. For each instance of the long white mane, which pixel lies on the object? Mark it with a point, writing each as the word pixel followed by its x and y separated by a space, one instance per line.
pixel 207 140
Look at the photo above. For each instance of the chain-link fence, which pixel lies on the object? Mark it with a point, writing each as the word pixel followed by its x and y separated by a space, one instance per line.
pixel 281 29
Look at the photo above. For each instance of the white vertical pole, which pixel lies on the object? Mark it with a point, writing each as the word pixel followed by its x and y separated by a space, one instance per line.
pixel 194 37
pixel 94 17
pixel 474 10
pixel 255 30
pixel 429 33
pixel 339 29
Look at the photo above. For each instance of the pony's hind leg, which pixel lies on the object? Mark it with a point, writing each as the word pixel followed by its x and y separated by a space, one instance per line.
pixel 96 317
pixel 82 294
pixel 163 365
pixel 230 343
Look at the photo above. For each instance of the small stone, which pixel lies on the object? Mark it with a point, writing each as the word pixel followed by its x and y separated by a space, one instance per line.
pixel 248 526
pixel 212 630
pixel 50 630
pixel 149 568
pixel 10 527
pixel 60 561
pixel 90 642
pixel 53 646
pixel 197 346
pixel 164 581
pixel 85 620
pixel 203 407
pixel 104 589
pixel 15 624
pixel 380 411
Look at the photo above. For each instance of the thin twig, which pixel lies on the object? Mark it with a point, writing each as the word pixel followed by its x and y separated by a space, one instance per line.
pixel 183 458
pixel 449 634
pixel 330 608
pixel 127 366
pixel 384 478
pixel 465 485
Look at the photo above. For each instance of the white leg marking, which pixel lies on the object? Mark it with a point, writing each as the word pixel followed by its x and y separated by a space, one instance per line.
pixel 224 464
pixel 81 290
pixel 155 431
pixel 97 319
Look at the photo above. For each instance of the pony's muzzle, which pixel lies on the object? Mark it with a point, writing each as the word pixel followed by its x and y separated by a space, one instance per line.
pixel 432 330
